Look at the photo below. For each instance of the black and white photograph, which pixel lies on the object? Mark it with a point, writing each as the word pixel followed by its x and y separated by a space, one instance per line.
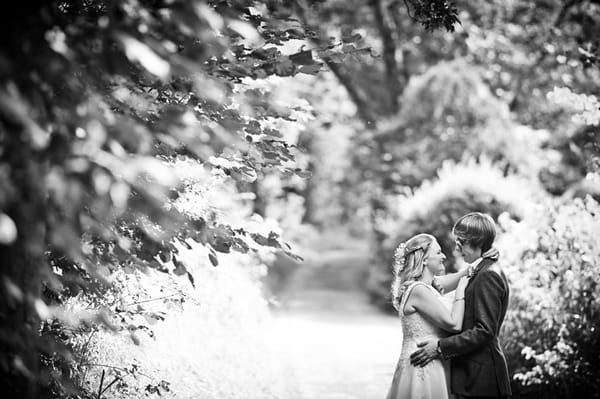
pixel 300 199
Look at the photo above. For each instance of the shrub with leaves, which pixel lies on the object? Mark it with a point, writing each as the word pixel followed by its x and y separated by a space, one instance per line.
pixel 212 343
pixel 450 113
pixel 152 318
pixel 586 108
pixel 580 150
pixel 552 330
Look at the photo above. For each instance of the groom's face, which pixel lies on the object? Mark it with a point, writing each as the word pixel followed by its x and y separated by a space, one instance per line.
pixel 467 252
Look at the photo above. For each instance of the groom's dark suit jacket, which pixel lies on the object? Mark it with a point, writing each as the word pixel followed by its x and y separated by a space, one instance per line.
pixel 478 366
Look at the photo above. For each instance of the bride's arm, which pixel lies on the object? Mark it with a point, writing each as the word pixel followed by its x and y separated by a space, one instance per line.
pixel 449 281
pixel 424 301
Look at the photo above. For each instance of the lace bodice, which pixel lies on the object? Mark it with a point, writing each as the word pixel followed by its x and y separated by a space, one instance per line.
pixel 416 328
pixel 429 381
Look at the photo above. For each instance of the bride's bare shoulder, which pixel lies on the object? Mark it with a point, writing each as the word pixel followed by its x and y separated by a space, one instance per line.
pixel 419 292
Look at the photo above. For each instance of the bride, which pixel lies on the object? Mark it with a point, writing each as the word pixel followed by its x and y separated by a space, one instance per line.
pixel 425 314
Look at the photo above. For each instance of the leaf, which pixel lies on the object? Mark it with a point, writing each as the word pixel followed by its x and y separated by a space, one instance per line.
pixel 221 239
pixel 156 265
pixel 214 19
pixel 142 53
pixel 305 174
pixel 285 67
pixel 295 257
pixel 8 230
pixel 348 48
pixel 41 309
pixel 239 71
pixel 244 29
pixel 303 58
pixel 240 245
pixel 13 290
pixel 253 127
pixel 270 155
pixel 165 256
pixel 191 278
pixel 134 338
pixel 310 69
pixel 272 132
pixel 180 269
pixel 245 173
pixel 259 73
pixel 213 259
pixel 270 241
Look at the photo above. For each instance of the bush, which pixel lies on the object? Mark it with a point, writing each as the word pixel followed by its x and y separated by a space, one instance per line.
pixel 211 344
pixel 450 113
pixel 435 206
pixel 183 329
pixel 552 330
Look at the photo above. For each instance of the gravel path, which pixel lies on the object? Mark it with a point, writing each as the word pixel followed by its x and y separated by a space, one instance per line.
pixel 332 342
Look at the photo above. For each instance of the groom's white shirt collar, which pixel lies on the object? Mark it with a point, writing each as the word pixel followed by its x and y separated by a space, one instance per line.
pixel 476 262
pixel 473 266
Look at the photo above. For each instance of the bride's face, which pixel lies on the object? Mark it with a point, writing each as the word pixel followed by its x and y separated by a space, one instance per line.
pixel 435 259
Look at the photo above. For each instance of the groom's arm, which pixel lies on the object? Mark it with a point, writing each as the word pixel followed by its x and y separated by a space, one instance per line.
pixel 488 303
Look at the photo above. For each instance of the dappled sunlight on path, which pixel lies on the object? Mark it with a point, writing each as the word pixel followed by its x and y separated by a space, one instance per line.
pixel 333 344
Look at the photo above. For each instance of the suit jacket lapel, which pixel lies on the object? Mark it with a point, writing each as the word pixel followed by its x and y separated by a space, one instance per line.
pixel 484 264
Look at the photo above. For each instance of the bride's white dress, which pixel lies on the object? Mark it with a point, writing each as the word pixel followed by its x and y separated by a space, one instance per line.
pixel 431 381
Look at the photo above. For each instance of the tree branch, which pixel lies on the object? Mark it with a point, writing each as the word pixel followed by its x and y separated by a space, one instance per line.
pixel 389 54
pixel 393 9
pixel 356 95
pixel 362 107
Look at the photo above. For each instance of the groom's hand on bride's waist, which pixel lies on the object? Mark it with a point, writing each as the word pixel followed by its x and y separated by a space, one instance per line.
pixel 428 351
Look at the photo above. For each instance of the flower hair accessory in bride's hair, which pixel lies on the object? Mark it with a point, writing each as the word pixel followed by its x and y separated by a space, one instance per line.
pixel 399 257
pixel 402 252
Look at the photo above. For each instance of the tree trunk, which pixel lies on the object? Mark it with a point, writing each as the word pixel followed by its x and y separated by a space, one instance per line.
pixel 306 141
pixel 260 205
pixel 389 55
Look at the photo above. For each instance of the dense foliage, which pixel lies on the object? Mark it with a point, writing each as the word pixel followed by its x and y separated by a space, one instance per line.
pixel 551 260
pixel 450 114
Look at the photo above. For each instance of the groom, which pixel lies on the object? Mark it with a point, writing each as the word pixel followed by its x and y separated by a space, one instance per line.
pixel 478 367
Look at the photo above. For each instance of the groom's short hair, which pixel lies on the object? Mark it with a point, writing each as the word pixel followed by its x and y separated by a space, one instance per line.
pixel 476 229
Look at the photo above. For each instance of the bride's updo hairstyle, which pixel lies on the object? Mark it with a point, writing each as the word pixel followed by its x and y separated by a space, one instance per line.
pixel 409 260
